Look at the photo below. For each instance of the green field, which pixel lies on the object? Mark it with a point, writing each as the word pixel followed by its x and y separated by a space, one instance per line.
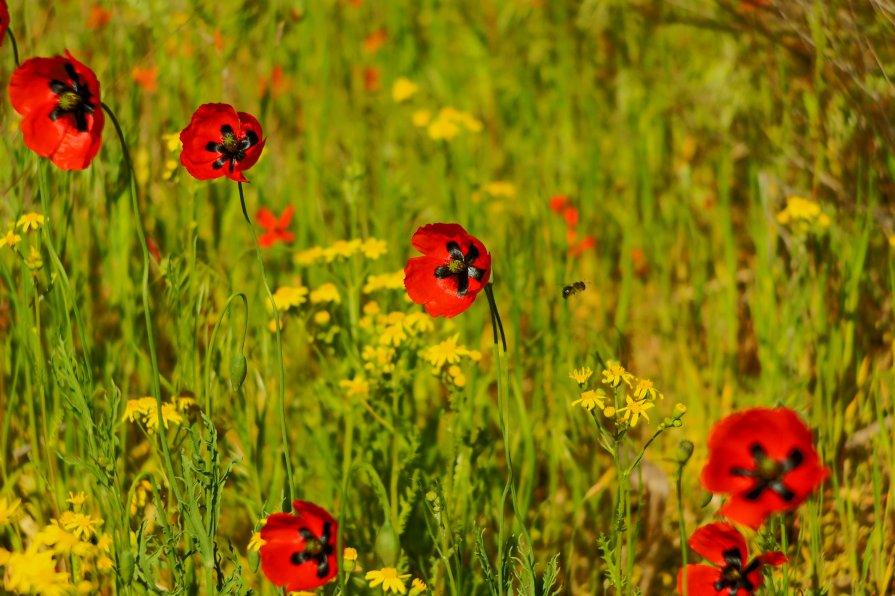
pixel 719 174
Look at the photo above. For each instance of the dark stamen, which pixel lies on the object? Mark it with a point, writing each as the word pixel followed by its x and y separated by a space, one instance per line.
pixel 461 267
pixel 768 473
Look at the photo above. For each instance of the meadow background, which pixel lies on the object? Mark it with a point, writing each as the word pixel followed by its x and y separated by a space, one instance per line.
pixel 678 130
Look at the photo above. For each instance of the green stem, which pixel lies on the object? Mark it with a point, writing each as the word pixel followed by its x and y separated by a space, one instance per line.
pixel 15 46
pixel 281 389
pixel 153 356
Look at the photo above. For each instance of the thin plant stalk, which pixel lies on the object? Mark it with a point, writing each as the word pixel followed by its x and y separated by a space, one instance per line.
pixel 150 338
pixel 15 46
pixel 281 388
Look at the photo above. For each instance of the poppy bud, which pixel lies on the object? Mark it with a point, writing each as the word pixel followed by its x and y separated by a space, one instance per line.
pixel 126 567
pixel 684 452
pixel 237 370
pixel 388 545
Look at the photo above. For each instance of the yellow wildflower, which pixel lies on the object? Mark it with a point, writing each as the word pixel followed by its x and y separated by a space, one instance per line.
pixel 172 141
pixel 442 129
pixel 104 543
pixel 8 509
pixel 349 554
pixel 256 542
pixel 680 408
pixel 322 317
pixel 10 239
pixel 309 256
pixel 141 496
pixel 378 359
pixel 289 296
pixel 446 352
pixel 393 335
pixel 82 525
pixel 418 322
pixel 60 540
pixel 169 415
pixel 35 260
pixel 609 411
pixel 86 587
pixel 615 373
pixel 389 578
pixel 352 387
pixel 341 249
pixel 385 281
pixel 326 293
pixel 421 118
pixel 76 500
pixel 581 375
pixel 31 221
pixel 135 409
pixel 34 571
pixel 591 399
pixel 403 89
pixel 373 248
pixel 635 409
pixel 644 389
pixel 417 587
pixel 802 213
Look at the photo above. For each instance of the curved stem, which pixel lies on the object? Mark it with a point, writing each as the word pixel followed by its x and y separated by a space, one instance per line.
pixel 15 46
pixel 153 356
pixel 495 316
pixel 281 389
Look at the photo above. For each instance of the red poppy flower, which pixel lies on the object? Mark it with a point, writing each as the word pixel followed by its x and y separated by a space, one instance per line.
pixel 765 460
pixel 454 269
pixel 219 141
pixel 558 203
pixel 59 99
pixel 299 551
pixel 734 575
pixel 276 229
pixel 4 20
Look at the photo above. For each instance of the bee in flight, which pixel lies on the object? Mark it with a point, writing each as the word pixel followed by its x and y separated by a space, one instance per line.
pixel 573 289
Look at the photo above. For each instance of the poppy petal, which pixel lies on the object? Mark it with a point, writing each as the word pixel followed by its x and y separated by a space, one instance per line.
pixel 286 217
pixel 265 218
pixel 700 580
pixel 432 239
pixel 713 540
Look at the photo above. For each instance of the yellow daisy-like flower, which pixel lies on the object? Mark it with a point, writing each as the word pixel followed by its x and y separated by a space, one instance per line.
pixel 581 375
pixel 358 387
pixel 341 249
pixel 373 248
pixel 290 296
pixel 615 373
pixel 104 543
pixel 309 256
pixel 390 579
pixel 393 335
pixel 10 239
pixel 591 399
pixel 255 542
pixel 326 293
pixel 419 322
pixel 76 500
pixel 644 389
pixel 378 359
pixel 322 317
pixel 417 587
pixel 635 409
pixel 31 221
pixel 349 554
pixel 385 281
pixel 8 509
pixel 82 525
pixel 35 260
pixel 172 141
pixel 446 352
pixel 403 89
pixel 104 564
pixel 34 572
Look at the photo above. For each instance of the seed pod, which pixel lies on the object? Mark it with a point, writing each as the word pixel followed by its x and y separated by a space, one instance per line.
pixel 126 567
pixel 388 544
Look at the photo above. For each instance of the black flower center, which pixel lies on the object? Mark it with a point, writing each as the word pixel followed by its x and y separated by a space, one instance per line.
pixel 461 267
pixel 733 577
pixel 74 98
pixel 769 473
pixel 316 550
pixel 231 149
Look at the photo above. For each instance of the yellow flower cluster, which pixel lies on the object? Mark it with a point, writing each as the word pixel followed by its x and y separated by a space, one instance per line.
pixel 74 536
pixel 385 281
pixel 172 144
pixel 496 190
pixel 622 383
pixel 29 222
pixel 288 297
pixel 450 353
pixel 447 124
pixel 144 411
pixel 371 248
pixel 803 215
